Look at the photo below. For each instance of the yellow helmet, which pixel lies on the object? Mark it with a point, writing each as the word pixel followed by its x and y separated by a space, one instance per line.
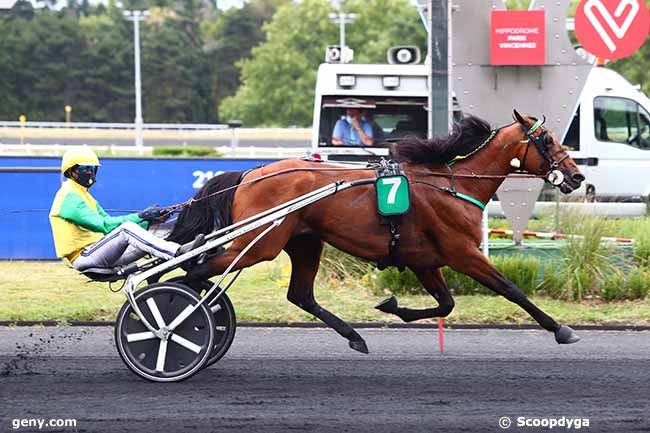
pixel 78 156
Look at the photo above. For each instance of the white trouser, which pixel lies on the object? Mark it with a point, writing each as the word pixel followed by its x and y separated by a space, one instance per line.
pixel 122 246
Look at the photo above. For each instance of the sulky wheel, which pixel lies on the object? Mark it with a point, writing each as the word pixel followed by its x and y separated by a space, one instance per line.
pixel 179 353
pixel 225 322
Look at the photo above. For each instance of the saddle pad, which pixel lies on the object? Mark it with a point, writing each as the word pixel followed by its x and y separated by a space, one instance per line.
pixel 393 195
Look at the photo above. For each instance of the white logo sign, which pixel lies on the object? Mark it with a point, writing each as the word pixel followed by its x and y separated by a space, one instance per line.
pixel 619 31
pixel 7 4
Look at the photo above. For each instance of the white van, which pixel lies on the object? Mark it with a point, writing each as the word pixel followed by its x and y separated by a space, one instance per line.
pixel 609 136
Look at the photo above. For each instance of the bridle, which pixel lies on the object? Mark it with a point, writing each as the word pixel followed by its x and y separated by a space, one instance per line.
pixel 543 142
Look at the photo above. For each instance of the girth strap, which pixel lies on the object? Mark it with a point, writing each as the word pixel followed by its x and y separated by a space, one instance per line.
pixel 390 168
pixel 393 258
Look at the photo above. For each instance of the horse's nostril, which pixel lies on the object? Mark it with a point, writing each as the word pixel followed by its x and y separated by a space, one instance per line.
pixel 578 177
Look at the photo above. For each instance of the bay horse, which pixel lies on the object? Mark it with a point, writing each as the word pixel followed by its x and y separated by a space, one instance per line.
pixel 440 229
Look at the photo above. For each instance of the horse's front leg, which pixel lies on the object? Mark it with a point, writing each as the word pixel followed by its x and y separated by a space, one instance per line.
pixel 434 283
pixel 474 264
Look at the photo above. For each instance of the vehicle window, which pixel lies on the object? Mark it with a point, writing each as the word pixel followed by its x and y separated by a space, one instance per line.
pixel 644 127
pixel 388 121
pixel 615 119
pixel 572 139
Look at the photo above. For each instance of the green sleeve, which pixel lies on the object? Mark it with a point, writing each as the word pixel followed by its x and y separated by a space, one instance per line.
pixel 77 211
pixel 130 217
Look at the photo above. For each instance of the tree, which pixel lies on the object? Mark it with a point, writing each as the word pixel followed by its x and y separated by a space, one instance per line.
pixel 107 80
pixel 636 68
pixel 41 64
pixel 279 79
pixel 175 68
pixel 230 37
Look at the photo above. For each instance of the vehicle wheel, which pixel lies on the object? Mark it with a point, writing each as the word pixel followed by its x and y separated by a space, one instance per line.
pixel 179 355
pixel 225 321
pixel 590 194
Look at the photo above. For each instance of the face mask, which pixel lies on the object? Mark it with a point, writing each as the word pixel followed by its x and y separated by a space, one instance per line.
pixel 348 119
pixel 87 175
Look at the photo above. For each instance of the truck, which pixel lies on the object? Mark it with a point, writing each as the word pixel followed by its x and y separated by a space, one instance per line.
pixel 608 136
pixel 395 96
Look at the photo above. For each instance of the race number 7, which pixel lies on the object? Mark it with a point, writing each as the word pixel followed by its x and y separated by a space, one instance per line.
pixel 394 183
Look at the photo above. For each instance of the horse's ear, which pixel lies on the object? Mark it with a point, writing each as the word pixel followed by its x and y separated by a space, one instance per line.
pixel 518 117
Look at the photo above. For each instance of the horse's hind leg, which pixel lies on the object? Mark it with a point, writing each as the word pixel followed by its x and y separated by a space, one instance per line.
pixel 477 266
pixel 434 283
pixel 305 252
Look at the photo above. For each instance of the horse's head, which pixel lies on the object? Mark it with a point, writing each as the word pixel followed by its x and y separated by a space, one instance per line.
pixel 542 153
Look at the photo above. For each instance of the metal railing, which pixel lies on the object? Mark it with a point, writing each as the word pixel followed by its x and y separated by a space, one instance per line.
pixel 102 125
pixel 147 151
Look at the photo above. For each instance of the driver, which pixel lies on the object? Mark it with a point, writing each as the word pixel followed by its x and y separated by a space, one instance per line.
pixel 352 130
pixel 85 236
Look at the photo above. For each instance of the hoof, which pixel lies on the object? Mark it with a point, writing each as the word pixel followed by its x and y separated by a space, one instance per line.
pixel 388 305
pixel 566 335
pixel 359 346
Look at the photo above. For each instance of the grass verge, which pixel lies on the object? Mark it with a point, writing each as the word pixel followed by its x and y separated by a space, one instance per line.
pixel 51 291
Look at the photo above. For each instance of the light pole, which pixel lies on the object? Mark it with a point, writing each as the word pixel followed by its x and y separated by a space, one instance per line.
pixel 136 16
pixel 342 19
pixel 68 114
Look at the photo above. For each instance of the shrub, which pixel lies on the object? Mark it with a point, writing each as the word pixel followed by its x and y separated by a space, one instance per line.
pixel 633 284
pixel 337 265
pixel 186 151
pixel 554 277
pixel 612 286
pixel 461 284
pixel 585 259
pixel 391 280
pixel 642 249
pixel 521 270
pixel 638 283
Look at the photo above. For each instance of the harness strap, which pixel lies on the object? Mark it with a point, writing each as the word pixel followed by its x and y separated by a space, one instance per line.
pixel 454 193
pixel 393 246
pixel 390 168
pixel 466 197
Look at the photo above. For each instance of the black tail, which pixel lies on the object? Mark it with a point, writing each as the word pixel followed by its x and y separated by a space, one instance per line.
pixel 207 214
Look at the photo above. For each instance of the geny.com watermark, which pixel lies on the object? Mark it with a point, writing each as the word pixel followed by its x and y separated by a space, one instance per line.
pixel 42 423
pixel 550 423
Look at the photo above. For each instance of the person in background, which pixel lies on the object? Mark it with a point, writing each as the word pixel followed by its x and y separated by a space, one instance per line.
pixel 378 135
pixel 85 236
pixel 352 130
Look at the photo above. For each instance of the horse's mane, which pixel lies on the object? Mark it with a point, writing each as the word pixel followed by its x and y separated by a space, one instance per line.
pixel 466 135
pixel 208 211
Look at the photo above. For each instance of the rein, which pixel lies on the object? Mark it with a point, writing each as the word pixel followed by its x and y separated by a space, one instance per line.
pixel 450 174
pixel 180 206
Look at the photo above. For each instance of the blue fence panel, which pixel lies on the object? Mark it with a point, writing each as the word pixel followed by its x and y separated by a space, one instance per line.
pixel 123 185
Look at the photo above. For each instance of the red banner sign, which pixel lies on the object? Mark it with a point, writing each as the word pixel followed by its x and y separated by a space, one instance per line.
pixel 518 38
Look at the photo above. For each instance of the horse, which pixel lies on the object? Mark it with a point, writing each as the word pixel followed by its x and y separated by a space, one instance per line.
pixel 440 229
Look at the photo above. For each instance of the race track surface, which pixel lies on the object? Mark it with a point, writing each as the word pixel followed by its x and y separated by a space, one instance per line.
pixel 307 380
